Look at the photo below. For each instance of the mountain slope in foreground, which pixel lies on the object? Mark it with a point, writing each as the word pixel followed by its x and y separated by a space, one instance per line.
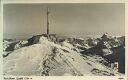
pixel 48 58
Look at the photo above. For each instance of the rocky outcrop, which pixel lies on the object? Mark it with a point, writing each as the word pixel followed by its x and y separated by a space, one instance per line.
pixel 110 48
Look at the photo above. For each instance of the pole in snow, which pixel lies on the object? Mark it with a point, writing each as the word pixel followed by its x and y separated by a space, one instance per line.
pixel 48 21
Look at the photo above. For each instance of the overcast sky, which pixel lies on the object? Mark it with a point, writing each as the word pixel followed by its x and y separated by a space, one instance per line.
pixel 74 19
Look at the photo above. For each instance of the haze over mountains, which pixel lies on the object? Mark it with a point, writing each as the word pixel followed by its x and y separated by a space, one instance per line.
pixel 25 20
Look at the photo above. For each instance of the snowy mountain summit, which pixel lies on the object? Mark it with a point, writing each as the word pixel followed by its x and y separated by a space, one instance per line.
pixel 50 55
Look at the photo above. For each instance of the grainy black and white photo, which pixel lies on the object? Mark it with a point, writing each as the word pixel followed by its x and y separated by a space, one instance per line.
pixel 64 39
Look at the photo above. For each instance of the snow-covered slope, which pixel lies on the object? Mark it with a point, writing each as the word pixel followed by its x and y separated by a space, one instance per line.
pixel 47 58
